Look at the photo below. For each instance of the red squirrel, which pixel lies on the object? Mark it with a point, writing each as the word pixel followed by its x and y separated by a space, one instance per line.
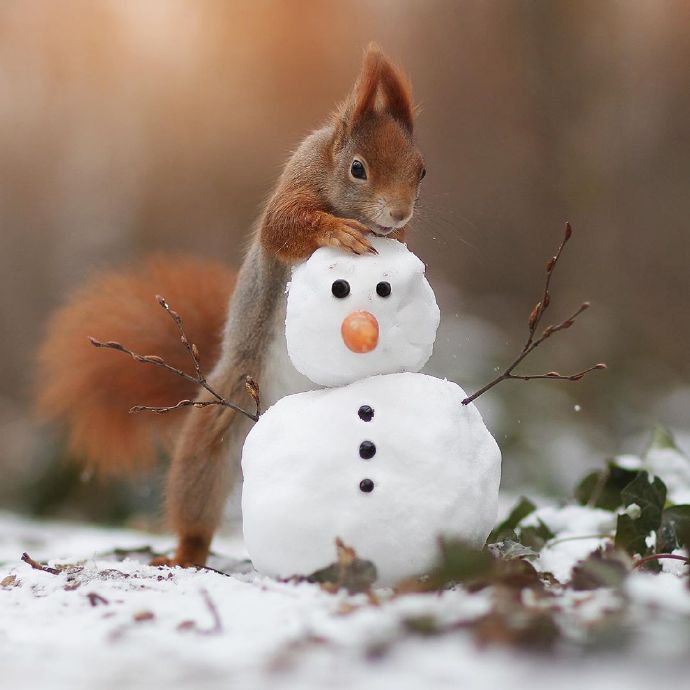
pixel 358 174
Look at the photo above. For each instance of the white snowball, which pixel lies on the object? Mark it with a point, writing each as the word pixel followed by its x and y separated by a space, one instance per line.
pixel 436 470
pixel 407 318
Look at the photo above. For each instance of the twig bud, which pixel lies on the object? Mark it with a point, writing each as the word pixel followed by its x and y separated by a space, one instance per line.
pixel 154 359
pixel 161 300
pixel 195 352
pixel 568 231
pixel 534 315
pixel 252 388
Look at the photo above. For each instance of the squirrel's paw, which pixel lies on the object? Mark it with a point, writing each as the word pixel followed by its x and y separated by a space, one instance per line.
pixel 349 234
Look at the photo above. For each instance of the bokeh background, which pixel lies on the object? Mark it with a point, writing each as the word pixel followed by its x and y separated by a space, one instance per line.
pixel 130 127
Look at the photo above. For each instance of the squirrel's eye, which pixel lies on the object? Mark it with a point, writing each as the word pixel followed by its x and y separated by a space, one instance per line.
pixel 422 174
pixel 357 170
pixel 340 288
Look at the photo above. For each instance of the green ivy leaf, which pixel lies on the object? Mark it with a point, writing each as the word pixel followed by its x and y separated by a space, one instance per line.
pixel 605 567
pixel 424 625
pixel 632 532
pixel 674 531
pixel 534 537
pixel 506 529
pixel 602 489
pixel 462 563
pixel 509 550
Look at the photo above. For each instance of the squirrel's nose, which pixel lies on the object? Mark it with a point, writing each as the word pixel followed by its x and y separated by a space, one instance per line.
pixel 398 214
pixel 360 331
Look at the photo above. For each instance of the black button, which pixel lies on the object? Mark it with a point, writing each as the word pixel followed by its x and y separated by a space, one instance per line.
pixel 383 289
pixel 366 413
pixel 367 450
pixel 366 485
pixel 340 288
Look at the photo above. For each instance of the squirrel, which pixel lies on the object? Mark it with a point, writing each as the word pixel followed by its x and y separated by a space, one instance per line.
pixel 358 174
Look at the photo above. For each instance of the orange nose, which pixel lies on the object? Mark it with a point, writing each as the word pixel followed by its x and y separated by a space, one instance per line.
pixel 360 331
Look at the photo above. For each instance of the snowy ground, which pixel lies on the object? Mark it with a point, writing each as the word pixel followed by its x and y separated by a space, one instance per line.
pixel 114 622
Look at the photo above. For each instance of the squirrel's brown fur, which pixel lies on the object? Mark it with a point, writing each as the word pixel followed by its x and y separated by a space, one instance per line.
pixel 91 390
pixel 318 201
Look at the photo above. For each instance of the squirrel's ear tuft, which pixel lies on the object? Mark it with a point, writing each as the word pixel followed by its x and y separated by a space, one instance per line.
pixel 380 87
pixel 362 99
pixel 397 93
pixel 363 96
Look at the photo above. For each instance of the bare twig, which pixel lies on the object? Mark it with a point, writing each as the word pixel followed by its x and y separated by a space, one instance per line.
pixel 176 406
pixel 38 566
pixel 660 556
pixel 199 378
pixel 533 341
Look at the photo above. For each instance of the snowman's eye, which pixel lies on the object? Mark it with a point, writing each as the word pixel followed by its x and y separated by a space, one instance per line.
pixel 367 450
pixel 340 288
pixel 366 413
pixel 383 289
pixel 366 485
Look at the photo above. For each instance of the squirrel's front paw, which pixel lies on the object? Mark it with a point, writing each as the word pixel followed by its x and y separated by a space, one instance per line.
pixel 348 234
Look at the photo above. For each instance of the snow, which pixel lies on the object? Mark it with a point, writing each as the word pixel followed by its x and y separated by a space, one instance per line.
pixel 434 470
pixel 673 466
pixel 667 462
pixel 407 318
pixel 156 627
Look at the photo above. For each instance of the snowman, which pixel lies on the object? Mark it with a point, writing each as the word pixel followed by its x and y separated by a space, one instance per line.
pixel 386 459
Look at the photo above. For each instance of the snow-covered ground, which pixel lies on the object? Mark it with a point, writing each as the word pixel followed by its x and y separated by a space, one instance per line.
pixel 111 621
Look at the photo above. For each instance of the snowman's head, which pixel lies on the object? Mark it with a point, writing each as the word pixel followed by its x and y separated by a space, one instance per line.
pixel 349 317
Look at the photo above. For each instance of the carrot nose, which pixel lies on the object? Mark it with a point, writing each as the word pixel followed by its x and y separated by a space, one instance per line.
pixel 360 331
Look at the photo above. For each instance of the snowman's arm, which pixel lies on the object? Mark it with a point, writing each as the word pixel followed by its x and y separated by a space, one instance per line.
pixel 534 340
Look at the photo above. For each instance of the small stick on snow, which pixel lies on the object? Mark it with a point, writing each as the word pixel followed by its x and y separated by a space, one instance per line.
pixel 217 623
pixel 96 599
pixel 199 378
pixel 533 341
pixel 38 566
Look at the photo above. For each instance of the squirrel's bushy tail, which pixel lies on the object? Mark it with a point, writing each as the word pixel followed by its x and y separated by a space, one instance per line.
pixel 91 390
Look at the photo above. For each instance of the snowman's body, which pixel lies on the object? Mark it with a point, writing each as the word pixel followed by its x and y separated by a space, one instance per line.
pixel 388 463
pixel 414 464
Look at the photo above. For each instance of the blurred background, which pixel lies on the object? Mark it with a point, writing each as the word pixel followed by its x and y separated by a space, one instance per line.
pixel 131 127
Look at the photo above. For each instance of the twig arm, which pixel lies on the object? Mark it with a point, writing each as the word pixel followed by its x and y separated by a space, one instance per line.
pixel 533 342
pixel 199 379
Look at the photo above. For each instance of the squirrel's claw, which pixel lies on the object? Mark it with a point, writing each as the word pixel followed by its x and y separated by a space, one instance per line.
pixel 350 235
